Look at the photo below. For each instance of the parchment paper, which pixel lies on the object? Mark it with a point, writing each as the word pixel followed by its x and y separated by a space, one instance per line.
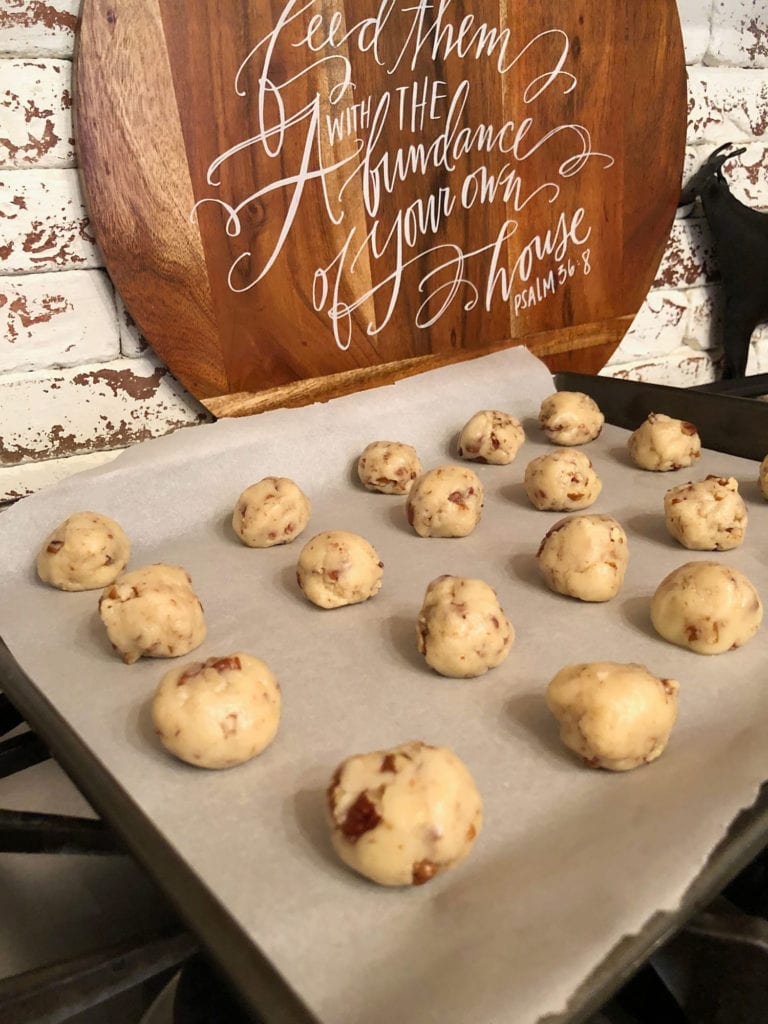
pixel 570 859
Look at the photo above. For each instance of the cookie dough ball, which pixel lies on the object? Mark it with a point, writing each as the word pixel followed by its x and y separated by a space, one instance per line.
pixel 662 444
pixel 445 502
pixel 217 713
pixel 570 418
pixel 337 568
pixel 462 630
pixel 491 436
pixel 85 552
pixel 762 479
pixel 706 516
pixel 400 816
pixel 273 511
pixel 584 557
pixel 562 481
pixel 152 612
pixel 706 607
pixel 389 467
pixel 614 716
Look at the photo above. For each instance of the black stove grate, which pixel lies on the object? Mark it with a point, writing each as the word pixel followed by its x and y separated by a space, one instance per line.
pixel 714 971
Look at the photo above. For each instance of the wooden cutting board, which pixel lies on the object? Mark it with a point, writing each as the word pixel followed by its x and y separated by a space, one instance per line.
pixel 334 191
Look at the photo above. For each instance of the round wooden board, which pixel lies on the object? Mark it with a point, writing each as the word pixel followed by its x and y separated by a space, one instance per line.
pixel 285 190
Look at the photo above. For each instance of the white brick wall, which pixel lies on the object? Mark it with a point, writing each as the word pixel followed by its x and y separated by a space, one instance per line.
pixel 36 119
pixel 29 28
pixel 76 378
pixel 43 223
pixel 76 381
pixel 739 36
pixel 675 335
pixel 53 320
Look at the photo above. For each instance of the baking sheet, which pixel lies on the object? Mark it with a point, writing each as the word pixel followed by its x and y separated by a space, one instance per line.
pixel 569 860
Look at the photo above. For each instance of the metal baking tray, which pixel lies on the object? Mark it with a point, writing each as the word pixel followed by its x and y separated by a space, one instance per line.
pixel 726 415
pixel 277 1003
pixel 276 996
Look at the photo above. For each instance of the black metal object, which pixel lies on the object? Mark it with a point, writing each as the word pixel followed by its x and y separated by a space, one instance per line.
pixel 56 992
pixel 202 996
pixel 726 423
pixel 645 999
pixel 717 973
pixel 723 957
pixel 27 832
pixel 744 841
pixel 743 387
pixel 714 971
pixel 53 994
pixel 21 752
pixel 741 243
pixel 9 716
pixel 748 892
pixel 262 987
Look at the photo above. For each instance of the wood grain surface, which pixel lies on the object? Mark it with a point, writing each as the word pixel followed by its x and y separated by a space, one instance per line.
pixel 300 197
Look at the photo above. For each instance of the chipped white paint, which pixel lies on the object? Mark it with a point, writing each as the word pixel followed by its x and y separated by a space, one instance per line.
pixel 739 36
pixel 688 365
pixel 94 407
pixel 695 18
pixel 56 320
pixel 748 176
pixel 36 114
pixel 758 355
pixel 658 328
pixel 38 28
pixel 689 257
pixel 691 160
pixel 705 317
pixel 684 368
pixel 726 105
pixel 43 223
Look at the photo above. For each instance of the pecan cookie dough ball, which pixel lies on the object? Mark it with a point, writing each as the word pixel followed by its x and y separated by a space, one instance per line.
pixel 762 479
pixel 273 511
pixel 217 713
pixel 662 444
pixel 389 467
pixel 400 816
pixel 707 607
pixel 85 552
pixel 614 716
pixel 337 568
pixel 462 630
pixel 706 516
pixel 584 557
pixel 152 612
pixel 570 418
pixel 445 502
pixel 491 436
pixel 562 481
